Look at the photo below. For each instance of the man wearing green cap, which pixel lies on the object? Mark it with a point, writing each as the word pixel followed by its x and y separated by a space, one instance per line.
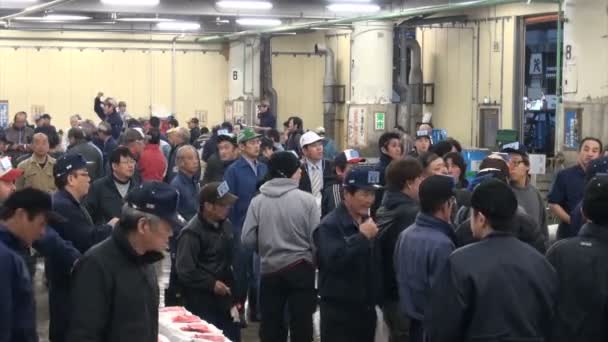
pixel 243 177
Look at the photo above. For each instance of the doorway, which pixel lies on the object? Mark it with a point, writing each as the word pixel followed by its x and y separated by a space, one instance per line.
pixel 537 87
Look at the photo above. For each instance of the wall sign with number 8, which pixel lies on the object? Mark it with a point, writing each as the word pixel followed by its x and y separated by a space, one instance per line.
pixel 568 52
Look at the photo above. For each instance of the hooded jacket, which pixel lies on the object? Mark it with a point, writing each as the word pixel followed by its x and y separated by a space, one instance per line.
pixel 280 224
pixel 397 212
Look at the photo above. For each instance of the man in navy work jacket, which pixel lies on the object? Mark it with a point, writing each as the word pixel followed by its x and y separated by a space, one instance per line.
pixel 423 249
pixel 348 283
pixel 186 181
pixel 107 111
pixel 567 189
pixel 498 289
pixel 22 221
pixel 243 178
pixel 72 180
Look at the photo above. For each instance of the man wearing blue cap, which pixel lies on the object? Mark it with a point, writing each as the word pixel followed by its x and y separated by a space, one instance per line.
pixel 72 180
pixel 347 280
pixel 115 294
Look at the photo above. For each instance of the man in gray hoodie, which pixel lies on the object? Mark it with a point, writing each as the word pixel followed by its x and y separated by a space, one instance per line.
pixel 528 196
pixel 279 224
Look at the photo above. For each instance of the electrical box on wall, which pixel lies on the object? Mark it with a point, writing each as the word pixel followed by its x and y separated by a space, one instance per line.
pixel 489 124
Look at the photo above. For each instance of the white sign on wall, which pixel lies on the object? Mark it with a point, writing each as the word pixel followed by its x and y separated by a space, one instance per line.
pixel 538 164
pixel 356 127
pixel 536 64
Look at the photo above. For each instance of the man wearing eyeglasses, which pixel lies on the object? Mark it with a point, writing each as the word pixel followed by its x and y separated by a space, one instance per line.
pixel 73 182
pixel 267 119
pixel 106 197
pixel 528 196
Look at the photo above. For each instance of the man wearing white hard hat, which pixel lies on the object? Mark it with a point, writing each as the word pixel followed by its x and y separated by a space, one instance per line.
pixel 316 171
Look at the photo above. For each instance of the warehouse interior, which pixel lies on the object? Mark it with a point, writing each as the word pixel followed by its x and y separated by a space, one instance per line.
pixel 471 59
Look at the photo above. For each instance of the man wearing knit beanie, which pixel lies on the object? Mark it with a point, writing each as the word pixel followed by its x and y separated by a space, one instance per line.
pixel 279 225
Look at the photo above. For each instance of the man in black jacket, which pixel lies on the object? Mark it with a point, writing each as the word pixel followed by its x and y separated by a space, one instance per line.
pixel 106 197
pixel 115 293
pixel 347 279
pixel 73 182
pixel 397 212
pixel 204 260
pixel 106 110
pixel 581 268
pixel 499 289
pixel 228 152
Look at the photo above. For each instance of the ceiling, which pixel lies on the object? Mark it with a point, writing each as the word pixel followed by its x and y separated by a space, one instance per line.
pixel 212 19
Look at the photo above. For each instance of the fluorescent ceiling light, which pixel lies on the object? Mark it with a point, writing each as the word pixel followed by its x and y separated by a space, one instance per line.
pixel 131 2
pixel 146 20
pixel 178 26
pixel 351 1
pixel 17 1
pixel 353 8
pixel 239 5
pixel 258 22
pixel 55 18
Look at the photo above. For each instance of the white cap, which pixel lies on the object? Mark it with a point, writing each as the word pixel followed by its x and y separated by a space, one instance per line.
pixel 309 138
pixel 320 130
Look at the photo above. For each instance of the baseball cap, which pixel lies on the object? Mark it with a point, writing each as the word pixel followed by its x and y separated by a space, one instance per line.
pixel 68 163
pixel 33 199
pixel 487 174
pixel 515 148
pixel 494 199
pixel 283 164
pixel 309 138
pixel 156 198
pixel 320 131
pixel 348 157
pixel 595 167
pixel 247 134
pixel 436 188
pixel 363 177
pixel 217 193
pixel 423 134
pixel 7 172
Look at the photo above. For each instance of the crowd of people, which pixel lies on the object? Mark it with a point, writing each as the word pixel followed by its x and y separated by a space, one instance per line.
pixel 284 225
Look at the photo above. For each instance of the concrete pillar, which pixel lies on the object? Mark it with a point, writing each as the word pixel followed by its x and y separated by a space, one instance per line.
pixel 244 70
pixel 372 63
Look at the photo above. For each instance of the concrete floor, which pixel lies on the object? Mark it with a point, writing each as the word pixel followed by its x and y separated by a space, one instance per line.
pixel 249 335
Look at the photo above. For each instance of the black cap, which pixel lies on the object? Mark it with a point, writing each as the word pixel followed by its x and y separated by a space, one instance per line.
pixel 68 163
pixel 33 199
pixel 363 177
pixel 494 199
pixel 283 164
pixel 595 200
pixel 515 148
pixel 156 198
pixel 435 189
pixel 217 193
pixel 596 167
